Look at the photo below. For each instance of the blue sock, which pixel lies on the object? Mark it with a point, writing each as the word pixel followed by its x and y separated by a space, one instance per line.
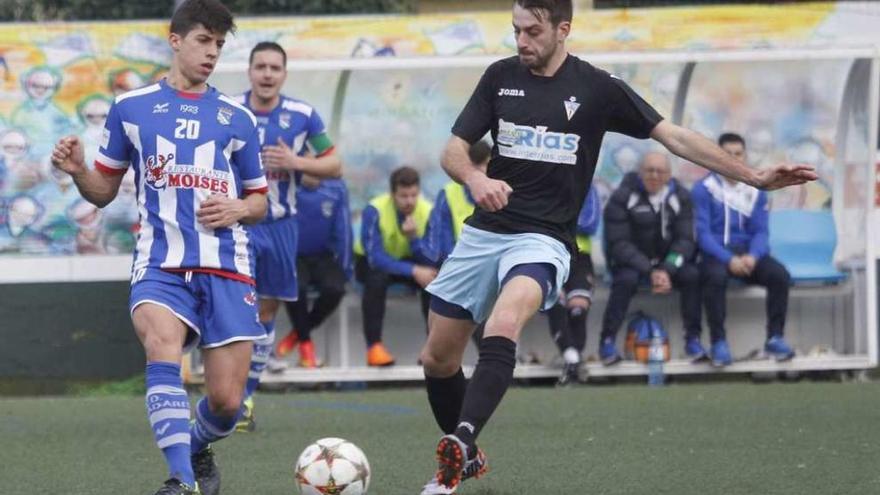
pixel 168 411
pixel 209 427
pixel 259 358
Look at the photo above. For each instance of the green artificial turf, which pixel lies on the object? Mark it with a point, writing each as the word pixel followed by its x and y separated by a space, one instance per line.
pixel 722 438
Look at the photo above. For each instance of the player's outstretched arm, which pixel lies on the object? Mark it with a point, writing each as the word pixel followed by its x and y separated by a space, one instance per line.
pixel 96 187
pixel 696 148
pixel 220 211
pixel 490 194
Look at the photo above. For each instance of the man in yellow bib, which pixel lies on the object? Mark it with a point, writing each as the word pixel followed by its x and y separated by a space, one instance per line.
pixel 391 250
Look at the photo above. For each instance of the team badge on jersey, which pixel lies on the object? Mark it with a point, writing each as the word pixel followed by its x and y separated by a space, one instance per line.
pixel 571 106
pixel 224 115
pixel 327 208
pixel 284 120
pixel 155 166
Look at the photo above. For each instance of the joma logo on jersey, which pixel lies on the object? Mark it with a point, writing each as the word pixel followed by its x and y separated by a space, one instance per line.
pixel 511 92
pixel 155 166
pixel 536 143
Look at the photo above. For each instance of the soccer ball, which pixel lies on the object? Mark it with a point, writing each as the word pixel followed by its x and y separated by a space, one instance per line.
pixel 332 466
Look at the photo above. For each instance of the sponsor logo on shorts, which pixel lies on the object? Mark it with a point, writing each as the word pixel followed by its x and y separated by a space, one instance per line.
pixel 250 298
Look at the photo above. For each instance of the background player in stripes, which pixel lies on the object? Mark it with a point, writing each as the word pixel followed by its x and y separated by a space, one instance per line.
pixel 293 141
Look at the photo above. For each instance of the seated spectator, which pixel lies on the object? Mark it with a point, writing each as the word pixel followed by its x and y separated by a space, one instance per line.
pixel 733 238
pixel 324 261
pixel 391 250
pixel 568 318
pixel 649 236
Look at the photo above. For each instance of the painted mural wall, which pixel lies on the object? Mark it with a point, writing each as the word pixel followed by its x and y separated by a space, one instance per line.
pixel 58 79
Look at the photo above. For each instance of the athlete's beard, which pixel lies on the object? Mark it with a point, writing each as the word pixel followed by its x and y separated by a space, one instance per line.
pixel 541 60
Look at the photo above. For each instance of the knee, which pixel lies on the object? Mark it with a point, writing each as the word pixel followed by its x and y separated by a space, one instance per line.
pixel 625 279
pixel 504 323
pixel 226 404
pixel 714 278
pixel 779 276
pixel 158 344
pixel 268 309
pixel 334 292
pixel 438 365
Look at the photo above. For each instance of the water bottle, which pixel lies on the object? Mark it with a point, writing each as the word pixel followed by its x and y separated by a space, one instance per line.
pixel 656 357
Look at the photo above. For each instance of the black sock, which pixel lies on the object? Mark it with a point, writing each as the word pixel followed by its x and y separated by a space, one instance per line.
pixel 577 324
pixel 492 376
pixel 446 396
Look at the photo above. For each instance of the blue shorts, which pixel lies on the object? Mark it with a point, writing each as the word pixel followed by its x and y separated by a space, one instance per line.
pixel 275 254
pixel 472 274
pixel 217 310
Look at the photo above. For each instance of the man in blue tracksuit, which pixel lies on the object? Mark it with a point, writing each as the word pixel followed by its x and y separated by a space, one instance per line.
pixel 732 234
pixel 324 260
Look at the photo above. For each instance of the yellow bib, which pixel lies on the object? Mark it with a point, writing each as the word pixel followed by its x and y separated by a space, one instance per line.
pixel 395 242
pixel 585 244
pixel 459 206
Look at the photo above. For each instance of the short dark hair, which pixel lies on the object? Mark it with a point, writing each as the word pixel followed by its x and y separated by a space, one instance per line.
pixel 559 10
pixel 404 176
pixel 731 137
pixel 264 46
pixel 479 152
pixel 211 14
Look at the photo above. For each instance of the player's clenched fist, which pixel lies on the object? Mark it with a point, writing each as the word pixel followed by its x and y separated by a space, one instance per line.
pixel 68 155
pixel 490 194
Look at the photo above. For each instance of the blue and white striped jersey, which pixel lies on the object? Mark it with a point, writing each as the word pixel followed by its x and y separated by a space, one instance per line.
pixel 296 123
pixel 184 147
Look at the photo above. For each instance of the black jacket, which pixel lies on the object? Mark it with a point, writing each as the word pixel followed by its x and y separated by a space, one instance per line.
pixel 638 237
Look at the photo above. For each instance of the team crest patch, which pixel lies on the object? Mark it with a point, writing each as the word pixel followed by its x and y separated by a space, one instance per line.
pixel 571 106
pixel 284 120
pixel 327 208
pixel 224 115
pixel 250 298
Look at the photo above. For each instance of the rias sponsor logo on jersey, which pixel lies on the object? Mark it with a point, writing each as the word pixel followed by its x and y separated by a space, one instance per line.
pixel 536 143
pixel 511 92
pixel 224 115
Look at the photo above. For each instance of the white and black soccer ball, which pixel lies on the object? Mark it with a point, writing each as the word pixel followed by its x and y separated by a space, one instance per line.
pixel 332 466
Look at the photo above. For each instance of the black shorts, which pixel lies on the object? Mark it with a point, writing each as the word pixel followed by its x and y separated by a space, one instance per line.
pixel 580 277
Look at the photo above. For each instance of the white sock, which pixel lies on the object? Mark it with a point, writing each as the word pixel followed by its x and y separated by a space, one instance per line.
pixel 571 355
